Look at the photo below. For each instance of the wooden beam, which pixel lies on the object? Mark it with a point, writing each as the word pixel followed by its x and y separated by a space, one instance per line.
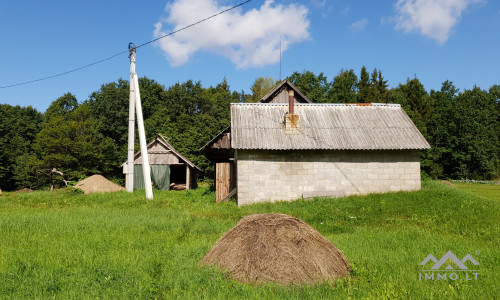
pixel 230 195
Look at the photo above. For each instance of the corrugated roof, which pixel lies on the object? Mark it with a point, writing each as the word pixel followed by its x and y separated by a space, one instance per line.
pixel 324 126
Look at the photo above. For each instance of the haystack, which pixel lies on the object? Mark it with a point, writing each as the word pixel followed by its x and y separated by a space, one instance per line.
pixel 277 248
pixel 98 184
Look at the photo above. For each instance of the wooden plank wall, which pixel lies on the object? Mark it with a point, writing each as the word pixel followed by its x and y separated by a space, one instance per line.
pixel 223 142
pixel 225 179
pixel 282 97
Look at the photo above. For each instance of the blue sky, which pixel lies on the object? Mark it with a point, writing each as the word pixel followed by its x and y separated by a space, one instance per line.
pixel 455 40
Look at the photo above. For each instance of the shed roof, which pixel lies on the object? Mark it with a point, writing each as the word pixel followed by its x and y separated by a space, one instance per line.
pixel 324 126
pixel 163 140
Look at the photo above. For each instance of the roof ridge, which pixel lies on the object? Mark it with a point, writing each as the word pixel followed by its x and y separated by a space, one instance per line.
pixel 322 104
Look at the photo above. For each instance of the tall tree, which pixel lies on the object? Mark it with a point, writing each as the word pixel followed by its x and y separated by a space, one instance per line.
pixel 364 86
pixel 18 128
pixel 62 106
pixel 381 87
pixel 197 116
pixel 314 87
pixel 417 99
pixel 260 87
pixel 344 87
pixel 442 131
pixel 476 152
pixel 464 133
pixel 110 107
pixel 71 143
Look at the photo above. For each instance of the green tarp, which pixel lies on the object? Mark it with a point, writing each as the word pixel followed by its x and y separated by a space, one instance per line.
pixel 160 175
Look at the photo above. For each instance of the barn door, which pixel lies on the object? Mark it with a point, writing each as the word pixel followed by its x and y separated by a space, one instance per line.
pixel 138 178
pixel 160 174
pixel 225 179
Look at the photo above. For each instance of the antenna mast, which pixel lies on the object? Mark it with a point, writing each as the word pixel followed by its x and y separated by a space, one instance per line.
pixel 280 57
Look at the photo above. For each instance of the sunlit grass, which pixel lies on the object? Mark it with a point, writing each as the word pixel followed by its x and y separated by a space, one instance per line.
pixel 121 245
pixel 489 191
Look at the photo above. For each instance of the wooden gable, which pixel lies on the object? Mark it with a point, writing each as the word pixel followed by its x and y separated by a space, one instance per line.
pixel 280 94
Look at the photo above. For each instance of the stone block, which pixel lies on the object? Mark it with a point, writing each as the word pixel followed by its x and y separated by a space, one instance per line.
pixel 388 171
pixel 394 176
pixel 399 170
pixel 404 176
pixel 367 182
pixel 411 182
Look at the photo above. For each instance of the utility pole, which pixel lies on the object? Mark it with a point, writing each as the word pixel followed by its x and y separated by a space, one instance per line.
pixel 135 98
pixel 129 180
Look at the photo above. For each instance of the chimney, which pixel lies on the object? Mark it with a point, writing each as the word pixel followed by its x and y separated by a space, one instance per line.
pixel 291 119
pixel 290 102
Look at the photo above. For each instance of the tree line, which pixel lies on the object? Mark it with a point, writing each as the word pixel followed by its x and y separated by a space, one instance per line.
pixel 90 137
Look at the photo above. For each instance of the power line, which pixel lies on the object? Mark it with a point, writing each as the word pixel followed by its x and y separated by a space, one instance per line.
pixel 193 24
pixel 126 51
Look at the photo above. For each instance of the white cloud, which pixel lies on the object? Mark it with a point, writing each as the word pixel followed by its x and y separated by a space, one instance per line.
pixel 318 3
pixel 250 39
pixel 359 25
pixel 431 18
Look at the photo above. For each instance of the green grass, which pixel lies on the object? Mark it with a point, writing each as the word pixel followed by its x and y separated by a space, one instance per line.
pixel 489 191
pixel 66 245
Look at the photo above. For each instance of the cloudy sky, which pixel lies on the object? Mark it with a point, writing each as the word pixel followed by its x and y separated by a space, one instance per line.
pixel 455 40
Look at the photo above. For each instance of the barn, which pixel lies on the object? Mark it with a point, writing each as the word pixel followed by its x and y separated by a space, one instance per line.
pixel 277 151
pixel 169 169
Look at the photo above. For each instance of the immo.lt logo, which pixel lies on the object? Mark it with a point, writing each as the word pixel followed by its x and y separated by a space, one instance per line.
pixel 449 267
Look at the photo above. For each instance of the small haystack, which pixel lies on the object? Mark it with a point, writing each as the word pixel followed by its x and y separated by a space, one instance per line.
pixel 98 184
pixel 447 183
pixel 277 248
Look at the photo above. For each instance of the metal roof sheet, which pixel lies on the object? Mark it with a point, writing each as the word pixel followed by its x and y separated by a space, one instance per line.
pixel 324 126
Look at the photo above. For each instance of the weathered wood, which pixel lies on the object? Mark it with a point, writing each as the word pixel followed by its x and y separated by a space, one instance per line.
pixel 49 173
pixel 223 142
pixel 188 178
pixel 230 195
pixel 279 94
pixel 224 179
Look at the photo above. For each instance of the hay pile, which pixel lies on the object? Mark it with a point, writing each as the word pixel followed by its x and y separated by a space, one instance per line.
pixel 98 184
pixel 22 191
pixel 276 248
pixel 447 183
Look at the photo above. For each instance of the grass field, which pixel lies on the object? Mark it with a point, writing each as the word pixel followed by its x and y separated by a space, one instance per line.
pixel 488 191
pixel 66 245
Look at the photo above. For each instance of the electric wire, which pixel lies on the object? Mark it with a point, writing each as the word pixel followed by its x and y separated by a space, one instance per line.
pixel 126 51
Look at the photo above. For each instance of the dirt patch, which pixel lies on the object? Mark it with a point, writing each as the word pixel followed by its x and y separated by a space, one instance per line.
pixel 447 183
pixel 25 190
pixel 98 184
pixel 277 248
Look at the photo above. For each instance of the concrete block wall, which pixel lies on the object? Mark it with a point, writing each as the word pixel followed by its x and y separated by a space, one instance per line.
pixel 289 175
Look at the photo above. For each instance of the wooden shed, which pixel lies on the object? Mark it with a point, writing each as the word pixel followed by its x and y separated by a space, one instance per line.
pixel 169 168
